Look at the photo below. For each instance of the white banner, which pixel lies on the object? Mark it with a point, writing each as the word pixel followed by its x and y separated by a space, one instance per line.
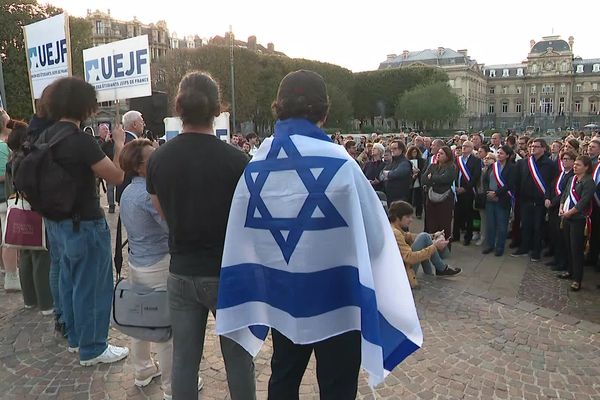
pixel 119 70
pixel 48 52
pixel 173 127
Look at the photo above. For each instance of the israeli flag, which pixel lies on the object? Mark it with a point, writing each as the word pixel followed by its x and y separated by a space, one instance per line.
pixel 309 251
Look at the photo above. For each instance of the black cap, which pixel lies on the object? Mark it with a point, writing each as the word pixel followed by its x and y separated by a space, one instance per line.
pixel 303 86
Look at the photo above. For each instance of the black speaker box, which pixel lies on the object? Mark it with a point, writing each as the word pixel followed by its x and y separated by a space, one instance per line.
pixel 154 110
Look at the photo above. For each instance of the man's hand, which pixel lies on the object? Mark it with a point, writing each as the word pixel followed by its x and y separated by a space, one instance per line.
pixel 118 135
pixel 548 203
pixel 460 190
pixel 440 243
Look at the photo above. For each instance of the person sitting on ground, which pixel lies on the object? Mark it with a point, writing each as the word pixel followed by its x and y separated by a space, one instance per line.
pixel 423 248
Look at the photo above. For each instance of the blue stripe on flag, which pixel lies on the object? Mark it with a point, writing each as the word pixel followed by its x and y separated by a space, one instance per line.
pixel 304 295
pixel 260 331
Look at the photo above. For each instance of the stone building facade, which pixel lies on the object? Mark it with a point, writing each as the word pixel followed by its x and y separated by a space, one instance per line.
pixel 551 90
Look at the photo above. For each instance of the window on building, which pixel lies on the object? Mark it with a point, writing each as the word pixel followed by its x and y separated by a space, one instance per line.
pixel 593 106
pixel 561 106
pixel 548 88
pixel 533 89
pixel 519 89
pixel 492 73
pixel 491 108
pixel 534 68
pixel 99 28
pixel 595 87
pixel 504 89
pixel 532 105
pixel 579 68
pixel 505 106
pixel 505 73
pixel 564 66
pixel 579 87
pixel 518 107
pixel 492 90
pixel 519 71
pixel 596 68
pixel 563 88
pixel 577 106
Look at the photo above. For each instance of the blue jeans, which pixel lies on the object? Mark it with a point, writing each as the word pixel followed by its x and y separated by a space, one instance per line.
pixel 54 276
pixel 190 300
pixel 422 241
pixel 86 282
pixel 496 220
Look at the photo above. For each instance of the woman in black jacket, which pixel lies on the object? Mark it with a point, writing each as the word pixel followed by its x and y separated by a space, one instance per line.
pixel 415 156
pixel 498 184
pixel 439 206
pixel 575 209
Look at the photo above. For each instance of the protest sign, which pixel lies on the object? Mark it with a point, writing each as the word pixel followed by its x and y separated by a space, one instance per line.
pixel 119 70
pixel 173 127
pixel 48 52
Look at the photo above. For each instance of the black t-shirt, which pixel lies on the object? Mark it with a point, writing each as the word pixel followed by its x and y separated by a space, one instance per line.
pixel 194 177
pixel 77 153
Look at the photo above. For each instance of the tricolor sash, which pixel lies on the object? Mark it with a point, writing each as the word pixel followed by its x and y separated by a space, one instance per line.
pixel 463 171
pixel 557 188
pixel 500 181
pixel 573 200
pixel 596 177
pixel 535 174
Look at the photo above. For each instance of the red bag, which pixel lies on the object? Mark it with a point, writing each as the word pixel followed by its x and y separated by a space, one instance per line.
pixel 24 228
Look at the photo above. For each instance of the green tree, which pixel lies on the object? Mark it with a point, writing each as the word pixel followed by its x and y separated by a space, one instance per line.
pixel 376 92
pixel 429 104
pixel 15 15
pixel 81 39
pixel 340 111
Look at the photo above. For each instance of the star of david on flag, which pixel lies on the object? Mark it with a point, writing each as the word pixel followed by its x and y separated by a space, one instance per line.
pixel 317 212
pixel 309 251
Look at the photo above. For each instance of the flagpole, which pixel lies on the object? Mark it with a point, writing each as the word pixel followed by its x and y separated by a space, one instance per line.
pixel 231 43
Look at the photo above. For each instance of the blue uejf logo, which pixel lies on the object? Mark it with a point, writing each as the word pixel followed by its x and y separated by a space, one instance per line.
pixel 48 54
pixel 113 67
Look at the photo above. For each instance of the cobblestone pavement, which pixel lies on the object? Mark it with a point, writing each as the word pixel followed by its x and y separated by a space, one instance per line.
pixel 540 286
pixel 479 344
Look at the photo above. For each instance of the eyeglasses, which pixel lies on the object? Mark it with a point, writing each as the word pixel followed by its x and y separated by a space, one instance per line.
pixel 533 146
pixel 566 159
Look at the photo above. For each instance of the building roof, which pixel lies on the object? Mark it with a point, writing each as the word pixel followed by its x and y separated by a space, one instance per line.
pixel 440 57
pixel 588 65
pixel 553 43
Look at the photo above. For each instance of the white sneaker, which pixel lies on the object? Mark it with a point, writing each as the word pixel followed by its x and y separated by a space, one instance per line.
pixel 476 236
pixel 480 241
pixel 200 386
pixel 111 354
pixel 73 350
pixel 144 378
pixel 12 283
pixel 47 312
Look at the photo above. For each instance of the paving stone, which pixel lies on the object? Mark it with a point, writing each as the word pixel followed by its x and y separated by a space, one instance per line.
pixel 567 319
pixel 525 306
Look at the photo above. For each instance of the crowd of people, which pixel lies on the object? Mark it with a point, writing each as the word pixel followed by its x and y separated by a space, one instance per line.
pixel 544 196
pixel 174 202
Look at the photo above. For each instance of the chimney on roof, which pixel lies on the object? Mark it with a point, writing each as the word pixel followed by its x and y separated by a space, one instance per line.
pixel 531 44
pixel 252 43
pixel 405 54
pixel 271 47
pixel 391 57
pixel 571 42
pixel 463 52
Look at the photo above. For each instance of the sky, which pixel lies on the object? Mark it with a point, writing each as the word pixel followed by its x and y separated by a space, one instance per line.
pixel 359 35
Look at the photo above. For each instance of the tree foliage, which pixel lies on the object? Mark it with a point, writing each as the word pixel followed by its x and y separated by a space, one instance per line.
pixel 376 92
pixel 429 104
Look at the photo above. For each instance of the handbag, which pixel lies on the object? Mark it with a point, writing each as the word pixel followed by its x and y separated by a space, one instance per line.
pixel 139 311
pixel 23 228
pixel 435 197
pixel 480 200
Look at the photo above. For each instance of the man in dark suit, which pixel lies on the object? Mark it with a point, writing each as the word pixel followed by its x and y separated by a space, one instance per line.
pixel 469 174
pixel 133 124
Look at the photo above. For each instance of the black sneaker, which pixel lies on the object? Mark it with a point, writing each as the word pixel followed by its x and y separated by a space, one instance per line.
pixel 499 253
pixel 449 271
pixel 487 251
pixel 466 242
pixel 111 209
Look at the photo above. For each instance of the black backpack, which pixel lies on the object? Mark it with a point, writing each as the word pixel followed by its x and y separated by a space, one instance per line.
pixel 44 183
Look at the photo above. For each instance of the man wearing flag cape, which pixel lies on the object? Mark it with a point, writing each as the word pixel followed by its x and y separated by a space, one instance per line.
pixel 309 253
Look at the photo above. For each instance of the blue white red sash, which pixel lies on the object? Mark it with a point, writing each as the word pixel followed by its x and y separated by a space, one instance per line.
pixel 557 189
pixel 574 200
pixel 499 180
pixel 596 177
pixel 464 171
pixel 535 174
